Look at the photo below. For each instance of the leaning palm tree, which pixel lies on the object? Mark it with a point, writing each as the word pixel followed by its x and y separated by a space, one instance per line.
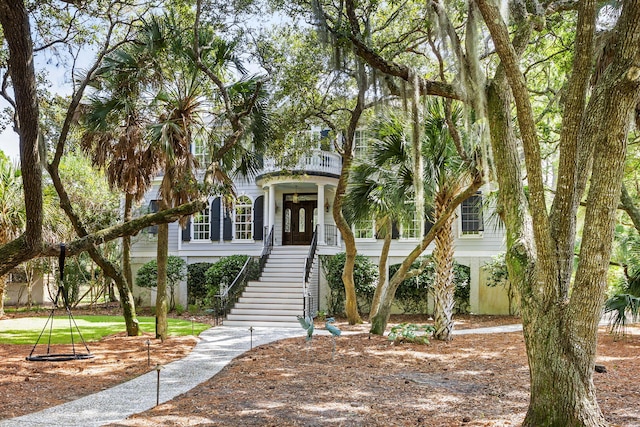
pixel 12 213
pixel 446 174
pixel 378 189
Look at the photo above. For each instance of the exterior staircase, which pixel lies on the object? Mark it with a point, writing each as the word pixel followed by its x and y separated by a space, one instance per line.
pixel 276 298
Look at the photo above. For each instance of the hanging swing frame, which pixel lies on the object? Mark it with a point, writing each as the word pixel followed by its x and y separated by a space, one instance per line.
pixel 50 356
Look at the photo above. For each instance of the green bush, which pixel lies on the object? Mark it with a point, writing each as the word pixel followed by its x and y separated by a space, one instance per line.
pixel 197 282
pixel 365 276
pixel 225 271
pixel 147 276
pixel 413 294
pixel 410 332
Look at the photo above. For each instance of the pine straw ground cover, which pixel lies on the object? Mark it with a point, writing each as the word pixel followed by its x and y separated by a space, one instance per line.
pixel 476 380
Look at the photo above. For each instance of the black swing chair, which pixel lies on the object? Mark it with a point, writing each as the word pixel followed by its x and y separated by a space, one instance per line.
pixel 60 357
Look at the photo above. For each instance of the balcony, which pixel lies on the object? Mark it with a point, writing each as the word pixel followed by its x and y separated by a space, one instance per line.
pixel 318 162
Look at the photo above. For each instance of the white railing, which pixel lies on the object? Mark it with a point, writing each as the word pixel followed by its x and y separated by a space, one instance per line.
pixel 318 161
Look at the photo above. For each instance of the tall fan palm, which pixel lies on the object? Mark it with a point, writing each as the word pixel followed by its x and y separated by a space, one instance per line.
pixel 12 213
pixel 446 174
pixel 379 188
pixel 114 138
pixel 386 183
pixel 181 109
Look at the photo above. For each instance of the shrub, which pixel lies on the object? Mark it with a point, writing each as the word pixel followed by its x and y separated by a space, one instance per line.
pixel 197 282
pixel 225 271
pixel 413 294
pixel 147 276
pixel 410 332
pixel 365 276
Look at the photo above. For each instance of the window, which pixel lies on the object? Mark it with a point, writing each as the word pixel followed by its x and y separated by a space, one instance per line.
pixel 361 144
pixel 287 220
pixel 201 153
pixel 154 206
pixel 301 220
pixel 363 229
pixel 244 218
pixel 471 216
pixel 411 228
pixel 201 225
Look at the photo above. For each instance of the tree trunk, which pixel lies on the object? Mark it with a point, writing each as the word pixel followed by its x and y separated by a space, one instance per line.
pixel 443 285
pixel 3 285
pixel 381 318
pixel 17 34
pixel 382 270
pixel 162 305
pixel 126 243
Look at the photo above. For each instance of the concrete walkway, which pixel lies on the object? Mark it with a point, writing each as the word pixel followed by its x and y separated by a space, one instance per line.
pixel 217 347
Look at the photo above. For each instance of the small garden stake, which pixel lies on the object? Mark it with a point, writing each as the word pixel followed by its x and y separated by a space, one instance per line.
pixel 148 343
pixel 251 342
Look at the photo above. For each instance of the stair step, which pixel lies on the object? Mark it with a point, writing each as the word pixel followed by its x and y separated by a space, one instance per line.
pixel 287 318
pixel 277 284
pixel 251 323
pixel 262 294
pixel 283 279
pixel 253 312
pixel 272 300
pixel 292 305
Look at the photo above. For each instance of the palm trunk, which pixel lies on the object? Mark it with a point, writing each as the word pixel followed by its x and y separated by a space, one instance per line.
pixel 382 271
pixel 444 284
pixel 162 304
pixel 126 243
pixel 3 284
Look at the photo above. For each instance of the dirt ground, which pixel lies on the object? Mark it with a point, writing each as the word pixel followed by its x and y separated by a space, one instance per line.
pixel 476 380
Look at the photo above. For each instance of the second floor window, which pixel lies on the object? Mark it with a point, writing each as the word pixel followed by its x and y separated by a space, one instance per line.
pixel 471 216
pixel 201 225
pixel 363 229
pixel 243 219
pixel 201 152
pixel 361 144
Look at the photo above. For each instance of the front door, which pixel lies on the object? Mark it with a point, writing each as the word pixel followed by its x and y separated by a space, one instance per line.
pixel 298 219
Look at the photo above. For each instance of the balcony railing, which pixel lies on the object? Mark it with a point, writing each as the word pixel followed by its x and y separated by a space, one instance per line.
pixel 318 161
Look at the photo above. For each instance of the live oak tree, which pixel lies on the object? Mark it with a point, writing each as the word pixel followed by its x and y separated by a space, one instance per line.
pixel 560 306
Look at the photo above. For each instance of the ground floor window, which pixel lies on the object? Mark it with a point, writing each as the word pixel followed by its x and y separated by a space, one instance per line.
pixel 243 218
pixel 201 225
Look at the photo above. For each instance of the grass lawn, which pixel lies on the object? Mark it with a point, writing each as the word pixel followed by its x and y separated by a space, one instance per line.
pixel 27 330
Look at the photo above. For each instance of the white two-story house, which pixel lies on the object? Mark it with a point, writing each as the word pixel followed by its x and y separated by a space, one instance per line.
pixel 290 207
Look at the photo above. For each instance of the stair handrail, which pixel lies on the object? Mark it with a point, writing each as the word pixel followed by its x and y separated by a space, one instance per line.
pixel 266 250
pixel 229 295
pixel 308 263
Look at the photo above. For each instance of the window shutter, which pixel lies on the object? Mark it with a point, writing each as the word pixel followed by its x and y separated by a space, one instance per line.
pixel 227 233
pixel 186 231
pixel 215 219
pixel 395 231
pixel 154 206
pixel 258 218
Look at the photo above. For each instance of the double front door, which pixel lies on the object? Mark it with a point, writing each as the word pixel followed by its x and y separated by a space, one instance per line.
pixel 298 221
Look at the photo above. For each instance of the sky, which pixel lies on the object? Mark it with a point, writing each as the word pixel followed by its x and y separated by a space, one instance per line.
pixel 9 144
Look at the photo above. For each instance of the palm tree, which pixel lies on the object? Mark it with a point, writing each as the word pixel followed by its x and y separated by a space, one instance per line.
pixel 12 213
pixel 623 306
pixel 115 121
pixel 383 180
pixel 446 174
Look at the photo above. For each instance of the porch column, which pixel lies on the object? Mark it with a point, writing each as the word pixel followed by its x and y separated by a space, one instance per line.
pixel 321 240
pixel 272 207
